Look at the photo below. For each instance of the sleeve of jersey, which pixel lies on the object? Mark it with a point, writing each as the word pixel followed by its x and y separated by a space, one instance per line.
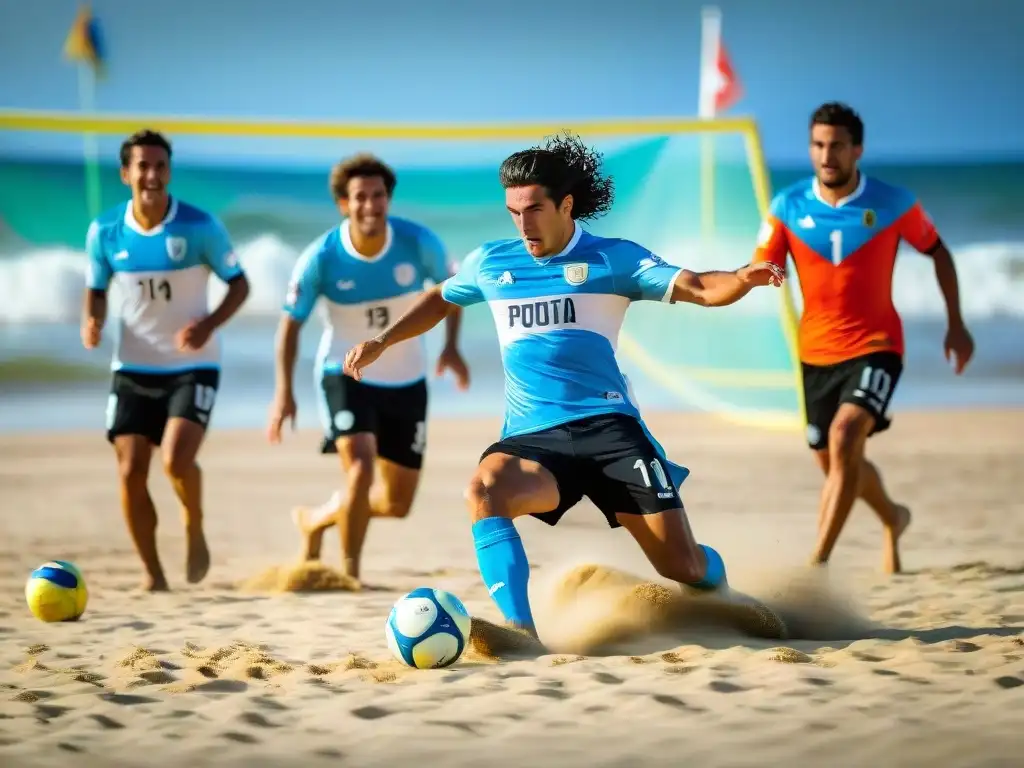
pixel 916 228
pixel 772 244
pixel 219 252
pixel 304 285
pixel 463 288
pixel 435 259
pixel 642 275
pixel 99 271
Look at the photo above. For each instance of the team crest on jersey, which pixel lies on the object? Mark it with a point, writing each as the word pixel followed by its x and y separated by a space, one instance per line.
pixel 177 247
pixel 869 218
pixel 576 274
pixel 405 274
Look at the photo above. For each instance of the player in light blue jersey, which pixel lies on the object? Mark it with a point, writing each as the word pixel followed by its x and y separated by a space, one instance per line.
pixel 157 252
pixel 558 296
pixel 363 274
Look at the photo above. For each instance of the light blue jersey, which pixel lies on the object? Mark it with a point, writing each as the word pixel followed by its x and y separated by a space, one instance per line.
pixel 558 322
pixel 161 280
pixel 363 295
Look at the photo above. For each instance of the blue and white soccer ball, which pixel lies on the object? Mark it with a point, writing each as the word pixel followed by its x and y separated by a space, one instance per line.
pixel 428 628
pixel 55 591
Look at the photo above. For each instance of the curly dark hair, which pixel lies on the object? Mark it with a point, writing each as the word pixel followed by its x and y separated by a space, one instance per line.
pixel 363 165
pixel 840 115
pixel 143 138
pixel 563 165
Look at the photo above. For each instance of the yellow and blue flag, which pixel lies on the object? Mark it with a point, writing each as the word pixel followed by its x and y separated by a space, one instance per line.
pixel 84 43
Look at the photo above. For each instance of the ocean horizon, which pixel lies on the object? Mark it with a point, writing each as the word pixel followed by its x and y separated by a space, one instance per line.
pixel 273 212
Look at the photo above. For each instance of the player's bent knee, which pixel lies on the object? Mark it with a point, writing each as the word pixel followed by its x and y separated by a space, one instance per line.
pixel 847 435
pixel 486 497
pixel 179 464
pixel 132 472
pixel 397 510
pixel 359 476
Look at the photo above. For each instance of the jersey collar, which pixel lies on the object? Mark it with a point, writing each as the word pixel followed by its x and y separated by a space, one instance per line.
pixel 857 192
pixel 132 224
pixel 577 233
pixel 345 231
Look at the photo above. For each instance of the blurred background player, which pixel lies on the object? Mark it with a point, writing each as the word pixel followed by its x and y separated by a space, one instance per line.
pixel 369 270
pixel 159 251
pixel 559 295
pixel 842 229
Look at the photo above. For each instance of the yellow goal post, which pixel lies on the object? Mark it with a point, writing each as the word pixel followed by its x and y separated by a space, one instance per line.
pixel 677 379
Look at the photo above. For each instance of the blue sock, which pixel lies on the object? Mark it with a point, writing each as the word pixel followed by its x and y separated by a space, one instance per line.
pixel 504 568
pixel 714 574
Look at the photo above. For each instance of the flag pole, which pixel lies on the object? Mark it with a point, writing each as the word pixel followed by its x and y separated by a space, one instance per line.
pixel 710 36
pixel 90 142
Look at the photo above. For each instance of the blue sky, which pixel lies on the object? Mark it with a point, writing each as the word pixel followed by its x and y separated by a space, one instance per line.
pixel 945 85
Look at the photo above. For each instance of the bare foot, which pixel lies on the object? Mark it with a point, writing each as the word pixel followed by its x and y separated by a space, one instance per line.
pixel 312 535
pixel 197 560
pixel 155 583
pixel 891 552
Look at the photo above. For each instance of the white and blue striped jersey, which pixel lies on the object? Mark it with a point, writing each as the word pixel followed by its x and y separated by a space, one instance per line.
pixel 162 279
pixel 558 321
pixel 363 295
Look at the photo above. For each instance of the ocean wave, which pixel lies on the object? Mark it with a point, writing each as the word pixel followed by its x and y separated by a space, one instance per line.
pixel 40 285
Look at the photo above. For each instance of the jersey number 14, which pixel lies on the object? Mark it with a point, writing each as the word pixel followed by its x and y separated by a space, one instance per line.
pixel 153 289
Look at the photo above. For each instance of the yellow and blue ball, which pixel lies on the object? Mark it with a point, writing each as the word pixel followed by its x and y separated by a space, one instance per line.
pixel 428 628
pixel 56 592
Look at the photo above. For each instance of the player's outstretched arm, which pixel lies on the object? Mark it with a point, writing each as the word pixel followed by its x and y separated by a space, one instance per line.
pixel 429 310
pixel 720 289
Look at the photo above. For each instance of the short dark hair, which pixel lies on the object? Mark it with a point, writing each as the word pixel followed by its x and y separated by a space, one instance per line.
pixel 563 165
pixel 840 115
pixel 363 165
pixel 143 138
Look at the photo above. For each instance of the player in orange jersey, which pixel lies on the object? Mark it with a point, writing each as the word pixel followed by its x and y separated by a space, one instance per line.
pixel 842 229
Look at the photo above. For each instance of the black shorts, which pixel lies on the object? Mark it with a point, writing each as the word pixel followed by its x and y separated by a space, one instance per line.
pixel 397 416
pixel 607 458
pixel 141 403
pixel 868 381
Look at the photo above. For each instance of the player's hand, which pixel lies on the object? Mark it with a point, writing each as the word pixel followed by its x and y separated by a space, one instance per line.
pixel 360 356
pixel 762 273
pixel 92 332
pixel 281 410
pixel 959 345
pixel 451 360
pixel 194 336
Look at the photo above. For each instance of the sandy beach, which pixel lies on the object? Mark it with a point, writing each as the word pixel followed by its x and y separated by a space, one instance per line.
pixel 922 669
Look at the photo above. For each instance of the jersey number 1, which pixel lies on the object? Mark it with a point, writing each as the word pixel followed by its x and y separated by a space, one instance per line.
pixel 836 238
